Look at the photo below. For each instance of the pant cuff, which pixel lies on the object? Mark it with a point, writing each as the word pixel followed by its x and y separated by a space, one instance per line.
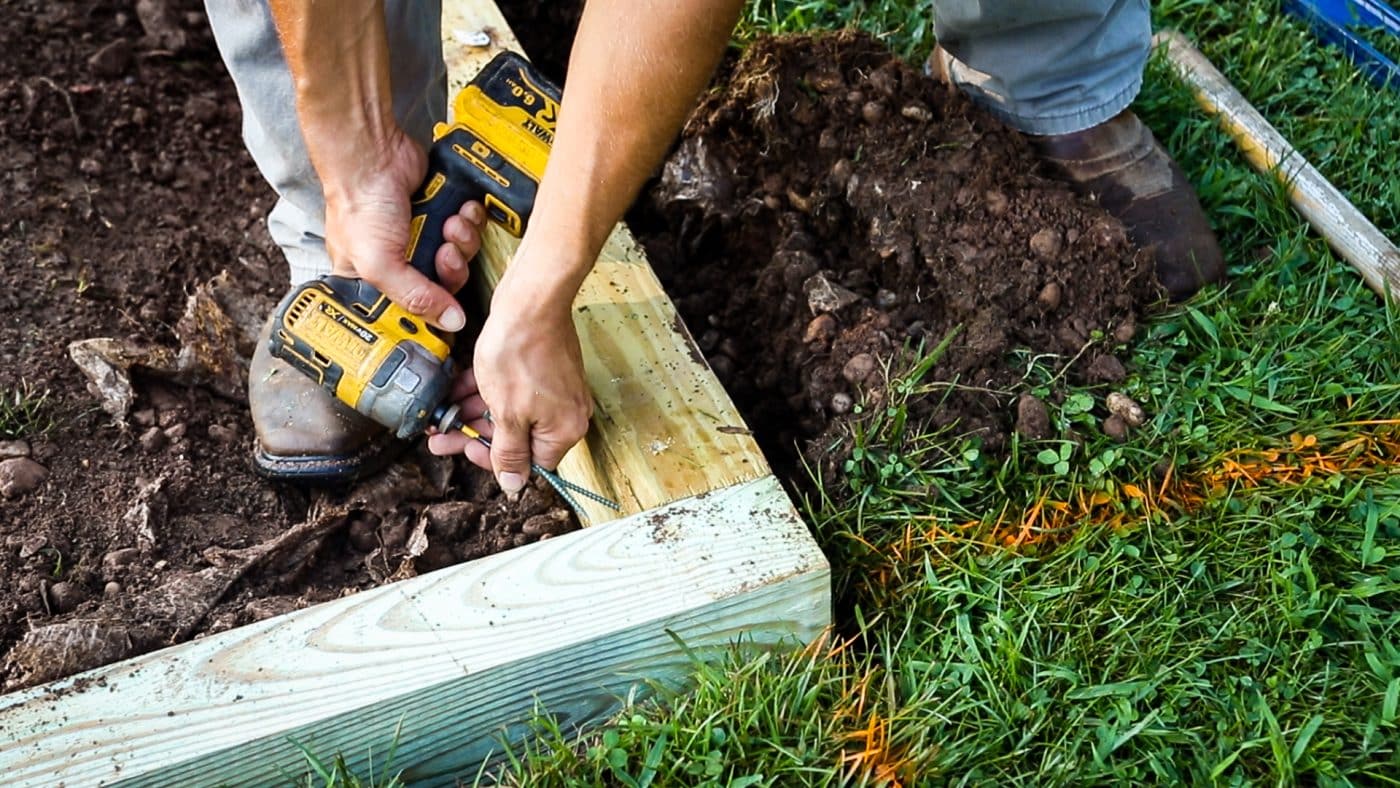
pixel 1065 123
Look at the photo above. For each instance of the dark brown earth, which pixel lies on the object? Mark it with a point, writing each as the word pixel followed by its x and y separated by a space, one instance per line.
pixel 825 213
pixel 126 189
pixel 832 210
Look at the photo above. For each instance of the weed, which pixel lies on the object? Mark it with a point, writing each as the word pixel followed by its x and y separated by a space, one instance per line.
pixel 25 412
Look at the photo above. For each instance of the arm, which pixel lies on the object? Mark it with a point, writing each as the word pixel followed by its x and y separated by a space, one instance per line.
pixel 634 73
pixel 338 54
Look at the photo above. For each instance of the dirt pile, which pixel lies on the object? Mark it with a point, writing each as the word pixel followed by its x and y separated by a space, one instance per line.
pixel 830 210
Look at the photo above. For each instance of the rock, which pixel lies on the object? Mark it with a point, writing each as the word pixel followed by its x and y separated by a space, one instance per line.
pixel 886 299
pixel 1107 369
pixel 225 435
pixel 916 112
pixel 997 203
pixel 1115 428
pixel 1047 244
pixel 1050 296
pixel 32 544
pixel 1123 334
pixel 111 589
pixel 146 417
pixel 858 368
pixel 550 523
pixel 152 440
pixel 20 476
pixel 873 112
pixel 176 431
pixel 821 329
pixel 841 172
pixel 1123 406
pixel 115 562
pixel 65 597
pixel 10 450
pixel 841 403
pixel 825 296
pixel 1032 418
pixel 111 60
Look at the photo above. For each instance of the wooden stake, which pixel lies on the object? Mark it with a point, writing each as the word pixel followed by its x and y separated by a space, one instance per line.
pixel 1348 231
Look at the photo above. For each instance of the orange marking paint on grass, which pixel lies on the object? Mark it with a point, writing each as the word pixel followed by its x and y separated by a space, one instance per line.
pixel 876 758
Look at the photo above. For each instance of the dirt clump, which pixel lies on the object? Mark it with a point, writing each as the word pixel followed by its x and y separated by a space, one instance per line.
pixel 829 210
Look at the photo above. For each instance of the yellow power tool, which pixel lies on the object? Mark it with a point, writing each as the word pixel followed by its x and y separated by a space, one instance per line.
pixel 372 354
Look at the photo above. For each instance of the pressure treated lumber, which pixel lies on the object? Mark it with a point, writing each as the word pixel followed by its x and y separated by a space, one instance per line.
pixel 1329 211
pixel 663 427
pixel 454 657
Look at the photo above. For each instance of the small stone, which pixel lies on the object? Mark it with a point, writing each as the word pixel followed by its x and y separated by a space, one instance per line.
pixel 841 403
pixel 858 368
pixel 1047 244
pixel 176 431
pixel 550 523
pixel 20 476
pixel 886 299
pixel 997 203
pixel 10 450
pixel 145 417
pixel 825 296
pixel 1032 417
pixel 1125 408
pixel 1123 334
pixel 1050 296
pixel 1115 428
pixel 821 329
pixel 111 60
pixel 65 597
pixel 841 172
pixel 152 440
pixel 873 112
pixel 222 434
pixel 32 544
pixel 916 112
pixel 1107 369
pixel 117 560
pixel 112 589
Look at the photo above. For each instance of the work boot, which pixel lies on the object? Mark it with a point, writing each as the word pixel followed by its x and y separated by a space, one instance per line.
pixel 1133 177
pixel 304 434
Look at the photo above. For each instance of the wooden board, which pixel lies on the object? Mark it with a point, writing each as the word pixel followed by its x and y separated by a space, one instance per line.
pixel 663 427
pixel 456 657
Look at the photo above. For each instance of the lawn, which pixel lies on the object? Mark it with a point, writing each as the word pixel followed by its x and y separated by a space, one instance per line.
pixel 1217 600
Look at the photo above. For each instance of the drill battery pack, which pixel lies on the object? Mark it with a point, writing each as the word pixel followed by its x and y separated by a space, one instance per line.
pixel 372 354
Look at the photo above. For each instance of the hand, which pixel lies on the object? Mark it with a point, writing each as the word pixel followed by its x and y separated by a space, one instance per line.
pixel 367 216
pixel 528 370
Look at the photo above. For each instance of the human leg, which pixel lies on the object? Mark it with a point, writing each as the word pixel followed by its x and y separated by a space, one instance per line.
pixel 305 434
pixel 1064 72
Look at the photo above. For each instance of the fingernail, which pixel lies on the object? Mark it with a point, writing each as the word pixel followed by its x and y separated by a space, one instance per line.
pixel 453 318
pixel 511 483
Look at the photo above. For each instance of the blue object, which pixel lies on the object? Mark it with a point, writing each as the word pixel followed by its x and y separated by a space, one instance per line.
pixel 1336 21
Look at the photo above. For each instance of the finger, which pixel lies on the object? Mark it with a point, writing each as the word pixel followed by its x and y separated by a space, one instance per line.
pixel 451 267
pixel 452 443
pixel 463 386
pixel 474 212
pixel 412 291
pixel 548 448
pixel 473 408
pixel 510 455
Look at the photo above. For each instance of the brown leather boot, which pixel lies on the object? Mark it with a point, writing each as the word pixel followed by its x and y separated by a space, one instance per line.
pixel 1133 177
pixel 1138 182
pixel 303 433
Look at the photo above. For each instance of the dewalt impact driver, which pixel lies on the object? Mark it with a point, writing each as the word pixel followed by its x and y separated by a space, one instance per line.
pixel 372 354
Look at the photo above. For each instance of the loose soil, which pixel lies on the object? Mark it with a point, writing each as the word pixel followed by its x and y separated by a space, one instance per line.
pixel 832 210
pixel 128 190
pixel 827 210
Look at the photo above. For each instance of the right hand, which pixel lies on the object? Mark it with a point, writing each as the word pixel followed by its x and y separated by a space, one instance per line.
pixel 367 229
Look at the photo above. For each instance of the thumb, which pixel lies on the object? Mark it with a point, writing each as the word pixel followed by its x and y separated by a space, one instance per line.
pixel 510 455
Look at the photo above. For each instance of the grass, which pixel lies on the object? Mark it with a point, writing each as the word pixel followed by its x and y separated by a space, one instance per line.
pixel 1216 600
pixel 25 412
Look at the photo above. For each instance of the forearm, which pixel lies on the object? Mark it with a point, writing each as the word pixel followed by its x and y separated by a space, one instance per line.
pixel 338 54
pixel 634 73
